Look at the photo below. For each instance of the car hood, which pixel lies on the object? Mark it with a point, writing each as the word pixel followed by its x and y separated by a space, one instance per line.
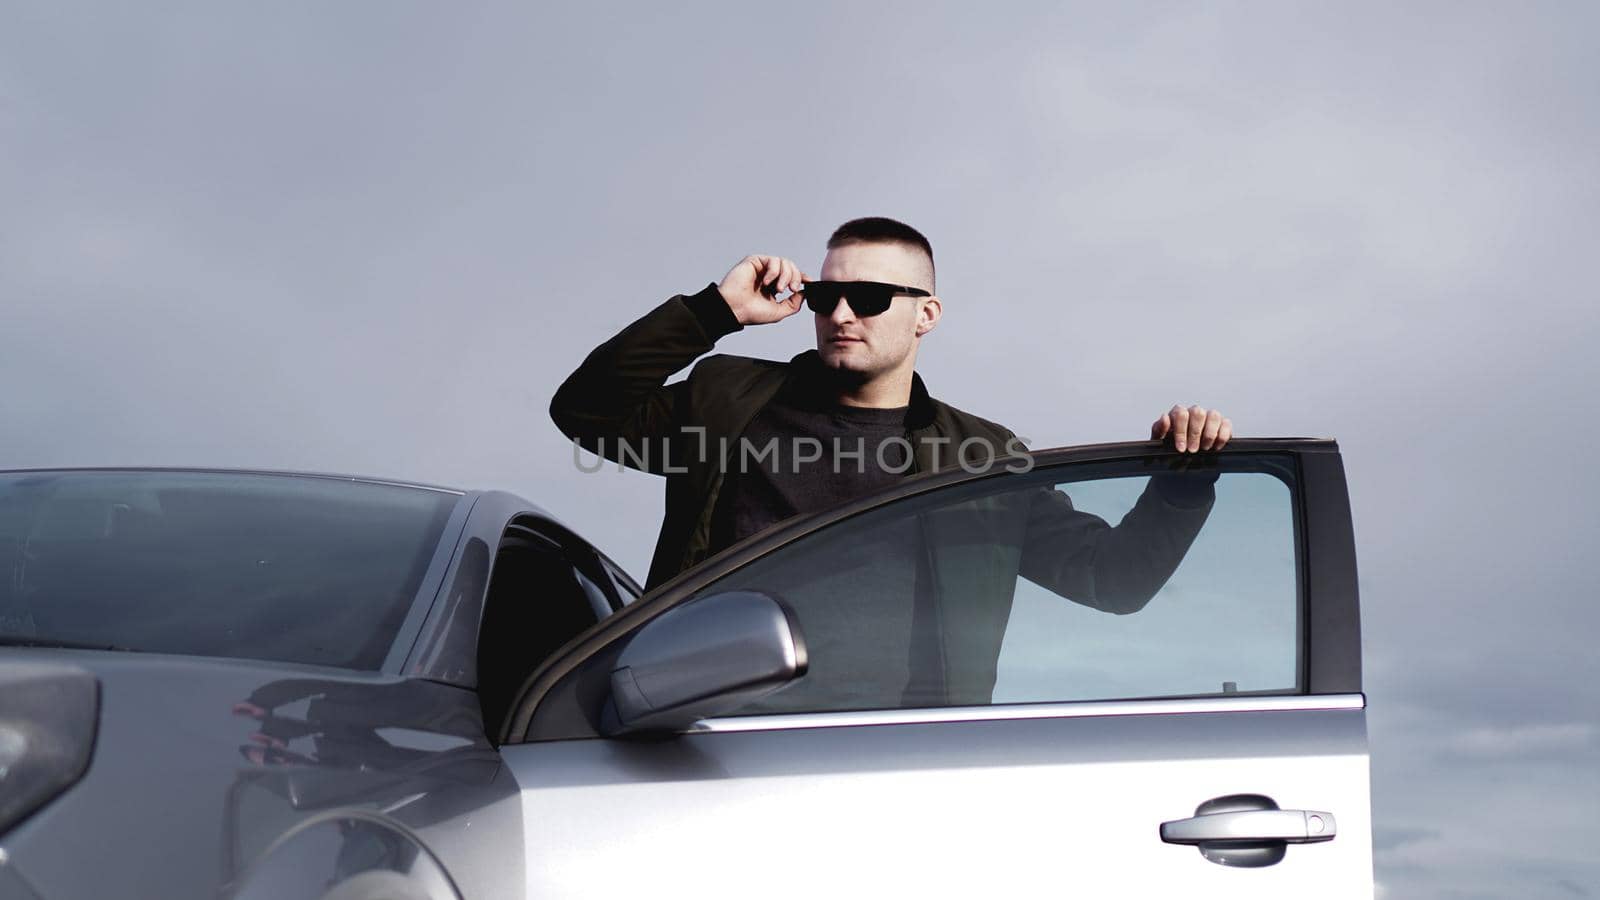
pixel 207 761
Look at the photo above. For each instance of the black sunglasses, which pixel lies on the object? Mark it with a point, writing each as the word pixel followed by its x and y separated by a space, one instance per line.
pixel 867 298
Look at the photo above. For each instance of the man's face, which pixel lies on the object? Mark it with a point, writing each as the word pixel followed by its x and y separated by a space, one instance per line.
pixel 869 346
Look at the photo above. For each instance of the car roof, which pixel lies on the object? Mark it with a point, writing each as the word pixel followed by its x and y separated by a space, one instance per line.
pixel 221 470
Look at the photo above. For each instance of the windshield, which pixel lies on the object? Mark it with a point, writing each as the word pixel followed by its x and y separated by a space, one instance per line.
pixel 285 568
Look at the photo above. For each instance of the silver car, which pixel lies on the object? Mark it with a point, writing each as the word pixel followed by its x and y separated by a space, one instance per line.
pixel 219 684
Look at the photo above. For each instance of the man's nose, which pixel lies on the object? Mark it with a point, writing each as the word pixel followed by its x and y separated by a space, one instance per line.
pixel 843 313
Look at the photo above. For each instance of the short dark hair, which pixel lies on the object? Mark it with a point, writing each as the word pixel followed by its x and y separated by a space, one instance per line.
pixel 882 230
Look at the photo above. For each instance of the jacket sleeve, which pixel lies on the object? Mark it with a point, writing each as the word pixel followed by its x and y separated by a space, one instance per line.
pixel 617 403
pixel 1115 568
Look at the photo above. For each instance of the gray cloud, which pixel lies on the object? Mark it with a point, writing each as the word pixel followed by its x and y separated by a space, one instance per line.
pixel 373 237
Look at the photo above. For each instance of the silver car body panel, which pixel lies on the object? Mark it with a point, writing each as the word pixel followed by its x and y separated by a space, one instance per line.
pixel 1019 806
pixel 173 805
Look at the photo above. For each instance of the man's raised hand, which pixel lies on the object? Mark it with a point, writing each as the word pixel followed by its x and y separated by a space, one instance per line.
pixel 751 289
pixel 1193 428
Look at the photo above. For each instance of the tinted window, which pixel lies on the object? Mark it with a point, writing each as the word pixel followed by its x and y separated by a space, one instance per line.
pixel 294 569
pixel 627 589
pixel 1095 582
pixel 1226 621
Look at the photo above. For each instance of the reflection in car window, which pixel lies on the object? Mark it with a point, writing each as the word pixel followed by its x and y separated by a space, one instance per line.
pixel 292 569
pixel 1070 584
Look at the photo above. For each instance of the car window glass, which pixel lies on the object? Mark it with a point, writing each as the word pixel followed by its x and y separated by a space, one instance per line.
pixel 627 588
pixel 1110 581
pixel 599 602
pixel 275 567
pixel 537 600
pixel 1225 621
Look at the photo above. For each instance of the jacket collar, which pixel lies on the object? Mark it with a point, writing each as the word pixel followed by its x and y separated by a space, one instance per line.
pixel 807 378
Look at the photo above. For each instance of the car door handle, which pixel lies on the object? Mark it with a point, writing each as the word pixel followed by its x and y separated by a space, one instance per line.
pixel 1248 830
pixel 1292 826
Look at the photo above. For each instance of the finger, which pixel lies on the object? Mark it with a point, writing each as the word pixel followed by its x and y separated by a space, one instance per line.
pixel 776 284
pixel 1180 427
pixel 758 271
pixel 1224 433
pixel 772 269
pixel 775 279
pixel 1208 435
pixel 1159 429
pixel 791 275
pixel 1197 424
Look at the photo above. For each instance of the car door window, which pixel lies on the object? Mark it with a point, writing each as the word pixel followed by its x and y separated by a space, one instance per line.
pixel 1099 581
pixel 1225 622
pixel 627 589
pixel 538 599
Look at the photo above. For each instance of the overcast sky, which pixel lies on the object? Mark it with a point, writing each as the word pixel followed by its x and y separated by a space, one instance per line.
pixel 373 237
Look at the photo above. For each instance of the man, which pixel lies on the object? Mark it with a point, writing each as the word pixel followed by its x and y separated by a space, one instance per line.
pixel 745 443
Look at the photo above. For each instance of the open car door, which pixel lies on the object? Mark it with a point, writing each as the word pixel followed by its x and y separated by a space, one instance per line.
pixel 1120 672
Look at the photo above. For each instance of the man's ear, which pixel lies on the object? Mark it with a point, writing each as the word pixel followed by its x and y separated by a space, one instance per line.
pixel 928 313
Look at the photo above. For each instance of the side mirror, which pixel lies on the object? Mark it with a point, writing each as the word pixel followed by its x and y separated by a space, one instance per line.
pixel 704 658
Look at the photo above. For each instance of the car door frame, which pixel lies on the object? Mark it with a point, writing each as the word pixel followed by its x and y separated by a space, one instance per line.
pixel 438 640
pixel 550 705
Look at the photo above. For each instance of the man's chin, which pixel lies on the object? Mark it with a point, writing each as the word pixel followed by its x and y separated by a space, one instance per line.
pixel 839 358
pixel 844 361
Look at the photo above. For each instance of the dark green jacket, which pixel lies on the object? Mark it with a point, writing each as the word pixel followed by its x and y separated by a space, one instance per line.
pixel 618 405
